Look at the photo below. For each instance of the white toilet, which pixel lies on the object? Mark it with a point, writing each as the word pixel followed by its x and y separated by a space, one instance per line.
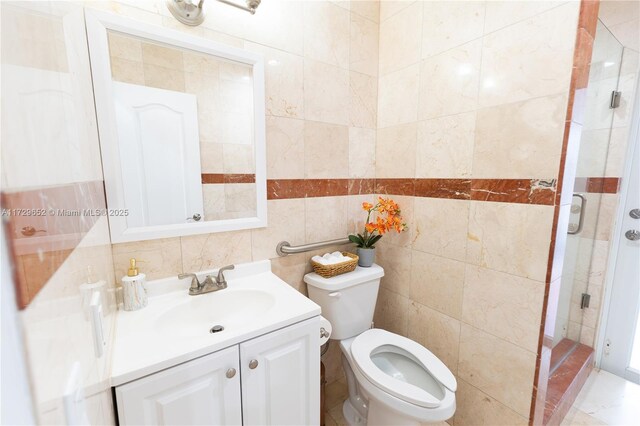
pixel 392 380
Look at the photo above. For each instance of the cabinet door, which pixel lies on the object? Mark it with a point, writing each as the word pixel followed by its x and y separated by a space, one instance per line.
pixel 197 392
pixel 281 376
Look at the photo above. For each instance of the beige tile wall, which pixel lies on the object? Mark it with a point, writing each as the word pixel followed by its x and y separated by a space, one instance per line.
pixel 482 95
pixel 321 63
pixel 466 268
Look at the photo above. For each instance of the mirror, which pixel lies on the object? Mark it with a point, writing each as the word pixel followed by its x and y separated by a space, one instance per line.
pixel 181 123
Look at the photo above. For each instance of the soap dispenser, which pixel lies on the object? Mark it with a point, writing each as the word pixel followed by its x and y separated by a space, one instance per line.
pixel 134 294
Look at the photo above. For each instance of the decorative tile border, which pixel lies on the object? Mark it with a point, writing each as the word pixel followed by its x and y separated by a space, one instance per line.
pixel 565 383
pixel 522 191
pixel 63 214
pixel 212 178
pixel 597 185
pixel 587 23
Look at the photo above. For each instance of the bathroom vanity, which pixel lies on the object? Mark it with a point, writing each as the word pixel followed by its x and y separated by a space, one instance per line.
pixel 248 354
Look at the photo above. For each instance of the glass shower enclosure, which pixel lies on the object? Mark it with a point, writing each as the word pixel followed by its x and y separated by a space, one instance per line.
pixel 601 148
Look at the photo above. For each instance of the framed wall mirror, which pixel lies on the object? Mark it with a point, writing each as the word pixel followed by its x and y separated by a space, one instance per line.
pixel 182 130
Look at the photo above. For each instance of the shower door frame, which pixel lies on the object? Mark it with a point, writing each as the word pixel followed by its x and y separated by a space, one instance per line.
pixel 633 148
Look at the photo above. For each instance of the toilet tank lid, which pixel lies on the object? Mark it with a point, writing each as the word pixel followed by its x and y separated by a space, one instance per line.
pixel 359 276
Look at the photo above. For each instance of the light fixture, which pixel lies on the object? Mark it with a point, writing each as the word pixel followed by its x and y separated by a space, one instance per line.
pixel 191 12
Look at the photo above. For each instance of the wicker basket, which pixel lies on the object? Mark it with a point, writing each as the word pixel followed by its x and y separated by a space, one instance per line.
pixel 328 271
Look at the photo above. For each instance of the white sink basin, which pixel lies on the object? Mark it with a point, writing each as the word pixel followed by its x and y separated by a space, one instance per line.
pixel 175 327
pixel 228 308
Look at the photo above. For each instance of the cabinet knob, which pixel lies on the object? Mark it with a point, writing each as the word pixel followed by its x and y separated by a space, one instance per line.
pixel 253 363
pixel 231 373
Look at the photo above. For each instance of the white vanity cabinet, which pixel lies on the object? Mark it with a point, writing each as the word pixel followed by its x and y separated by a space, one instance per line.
pixel 281 376
pixel 198 392
pixel 273 379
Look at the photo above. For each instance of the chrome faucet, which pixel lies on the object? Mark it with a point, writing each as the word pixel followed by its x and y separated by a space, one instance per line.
pixel 220 280
pixel 209 284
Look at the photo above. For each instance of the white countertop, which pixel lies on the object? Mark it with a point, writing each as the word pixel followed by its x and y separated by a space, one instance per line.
pixel 149 340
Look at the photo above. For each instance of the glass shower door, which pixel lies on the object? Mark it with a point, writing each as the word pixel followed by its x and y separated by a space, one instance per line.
pixel 587 242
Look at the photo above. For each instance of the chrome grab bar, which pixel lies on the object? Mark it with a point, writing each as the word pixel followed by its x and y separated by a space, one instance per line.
pixel 583 203
pixel 284 248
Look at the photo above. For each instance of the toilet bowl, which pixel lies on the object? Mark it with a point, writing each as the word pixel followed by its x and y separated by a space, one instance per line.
pixel 402 380
pixel 392 380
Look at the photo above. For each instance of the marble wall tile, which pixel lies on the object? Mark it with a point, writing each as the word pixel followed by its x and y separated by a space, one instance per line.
pixel 240 198
pixel 210 155
pixel 500 14
pixel 592 157
pixel 400 39
pixel 286 223
pixel 617 152
pixel 449 24
pixel 512 238
pixel 440 227
pixel 475 407
pixel 209 251
pixel 363 100
pixel 285 148
pixel 529 59
pixel 213 201
pixel 356 216
pixel 396 262
pixel 157 258
pixel 482 362
pixel 437 332
pixel 125 47
pixel 445 146
pixel 397 97
pixel 238 158
pixel 161 56
pixel 362 153
pixel 127 71
pixel 538 127
pixel 200 63
pixel 325 218
pixel 504 305
pixel 363 56
pixel 396 151
pixel 449 81
pixel 437 282
pixel 369 9
pixel 392 312
pixel 326 150
pixel 163 78
pixel 326 33
pixel 284 76
pixel 291 269
pixel 599 215
pixel 326 93
pixel 392 7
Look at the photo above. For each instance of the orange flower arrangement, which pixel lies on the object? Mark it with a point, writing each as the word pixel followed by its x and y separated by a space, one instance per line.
pixel 387 218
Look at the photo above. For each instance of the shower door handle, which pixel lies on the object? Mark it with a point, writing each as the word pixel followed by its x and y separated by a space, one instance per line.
pixel 583 203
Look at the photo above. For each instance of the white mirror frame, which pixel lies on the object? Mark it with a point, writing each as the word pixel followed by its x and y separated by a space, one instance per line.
pixel 98 23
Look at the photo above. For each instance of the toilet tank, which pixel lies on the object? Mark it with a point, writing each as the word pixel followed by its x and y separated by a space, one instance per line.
pixel 347 300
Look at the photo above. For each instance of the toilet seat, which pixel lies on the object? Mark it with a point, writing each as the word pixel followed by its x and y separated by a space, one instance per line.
pixel 376 341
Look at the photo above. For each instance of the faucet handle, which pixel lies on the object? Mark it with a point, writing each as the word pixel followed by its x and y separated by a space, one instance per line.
pixel 220 278
pixel 195 283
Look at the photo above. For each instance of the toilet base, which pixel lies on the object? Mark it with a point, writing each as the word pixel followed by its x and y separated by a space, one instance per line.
pixel 351 415
pixel 379 415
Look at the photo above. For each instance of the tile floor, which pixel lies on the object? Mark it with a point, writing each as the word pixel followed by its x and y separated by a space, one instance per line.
pixel 605 399
pixel 335 395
